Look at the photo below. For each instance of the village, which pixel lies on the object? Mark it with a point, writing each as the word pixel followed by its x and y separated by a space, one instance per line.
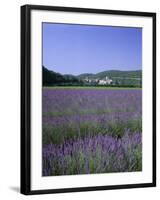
pixel 104 81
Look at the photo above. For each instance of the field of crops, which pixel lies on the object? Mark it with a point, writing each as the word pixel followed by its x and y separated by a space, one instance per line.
pixel 91 131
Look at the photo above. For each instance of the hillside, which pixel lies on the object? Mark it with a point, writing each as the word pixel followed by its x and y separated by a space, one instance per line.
pixel 113 73
pixel 130 78
pixel 51 78
pixel 118 77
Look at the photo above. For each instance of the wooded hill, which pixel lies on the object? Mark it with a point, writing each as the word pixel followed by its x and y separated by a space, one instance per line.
pixel 119 78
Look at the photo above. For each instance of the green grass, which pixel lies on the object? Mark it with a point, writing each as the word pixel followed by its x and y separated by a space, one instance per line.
pixel 94 88
pixel 59 134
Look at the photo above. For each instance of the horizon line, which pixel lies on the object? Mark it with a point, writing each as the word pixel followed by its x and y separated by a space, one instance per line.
pixel 94 73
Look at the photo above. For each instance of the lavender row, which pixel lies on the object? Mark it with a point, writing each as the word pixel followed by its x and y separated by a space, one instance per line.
pixel 99 154
pixel 91 131
pixel 83 101
pixel 59 134
pixel 97 118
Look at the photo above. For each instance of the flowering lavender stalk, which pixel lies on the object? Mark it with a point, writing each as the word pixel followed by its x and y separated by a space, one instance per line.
pixel 91 131
pixel 99 154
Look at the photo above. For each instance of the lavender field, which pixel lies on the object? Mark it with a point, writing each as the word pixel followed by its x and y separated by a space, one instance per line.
pixel 91 130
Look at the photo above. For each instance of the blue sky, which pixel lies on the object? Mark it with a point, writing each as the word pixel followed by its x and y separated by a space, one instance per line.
pixel 76 49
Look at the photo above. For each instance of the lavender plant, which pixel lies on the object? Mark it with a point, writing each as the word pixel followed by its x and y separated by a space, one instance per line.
pixel 91 131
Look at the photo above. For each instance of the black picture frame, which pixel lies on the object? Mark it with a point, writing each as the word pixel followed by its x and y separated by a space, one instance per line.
pixel 26 98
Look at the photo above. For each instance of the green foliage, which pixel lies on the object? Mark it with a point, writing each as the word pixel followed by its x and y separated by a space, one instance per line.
pixel 51 78
pixel 59 134
pixel 138 158
pixel 97 162
pixel 120 78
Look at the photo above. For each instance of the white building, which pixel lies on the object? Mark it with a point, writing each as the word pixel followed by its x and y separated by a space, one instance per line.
pixel 105 81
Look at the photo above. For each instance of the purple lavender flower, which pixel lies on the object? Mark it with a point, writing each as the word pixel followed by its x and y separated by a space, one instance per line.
pixel 91 131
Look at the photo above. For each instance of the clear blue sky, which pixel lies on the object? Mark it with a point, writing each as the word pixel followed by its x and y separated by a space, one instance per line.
pixel 76 49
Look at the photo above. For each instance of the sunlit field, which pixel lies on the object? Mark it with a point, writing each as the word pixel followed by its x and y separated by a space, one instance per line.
pixel 91 130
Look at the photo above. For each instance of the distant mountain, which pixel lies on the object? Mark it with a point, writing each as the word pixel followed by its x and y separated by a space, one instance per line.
pixel 118 77
pixel 86 75
pixel 70 77
pixel 113 73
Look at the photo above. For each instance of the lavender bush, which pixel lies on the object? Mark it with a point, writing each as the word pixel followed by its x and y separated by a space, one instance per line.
pixel 91 131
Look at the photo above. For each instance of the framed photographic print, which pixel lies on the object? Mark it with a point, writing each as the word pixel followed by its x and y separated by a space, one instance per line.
pixel 88 99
